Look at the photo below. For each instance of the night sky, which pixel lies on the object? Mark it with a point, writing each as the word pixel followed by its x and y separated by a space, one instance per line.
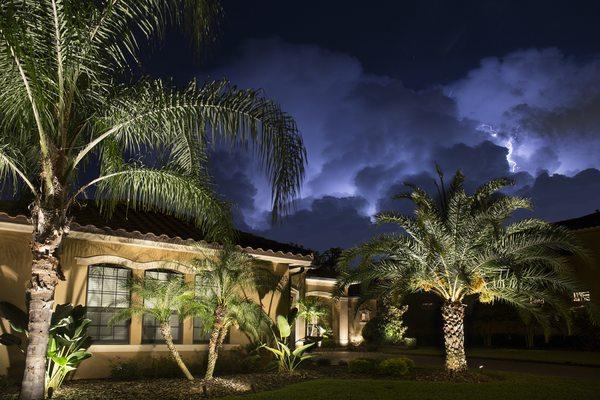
pixel 383 92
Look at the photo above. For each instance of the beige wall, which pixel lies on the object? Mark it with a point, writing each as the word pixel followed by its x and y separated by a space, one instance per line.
pixel 80 250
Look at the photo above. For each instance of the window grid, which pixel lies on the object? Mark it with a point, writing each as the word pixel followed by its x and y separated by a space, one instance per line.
pixel 107 294
pixel 150 327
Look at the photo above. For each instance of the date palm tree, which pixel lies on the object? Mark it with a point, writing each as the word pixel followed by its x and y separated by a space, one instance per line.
pixel 160 299
pixel 222 280
pixel 466 246
pixel 76 120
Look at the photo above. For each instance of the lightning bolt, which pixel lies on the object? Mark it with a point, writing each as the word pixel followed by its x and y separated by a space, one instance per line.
pixel 508 143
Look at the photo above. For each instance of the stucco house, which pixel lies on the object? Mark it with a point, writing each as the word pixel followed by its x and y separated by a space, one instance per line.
pixel 99 254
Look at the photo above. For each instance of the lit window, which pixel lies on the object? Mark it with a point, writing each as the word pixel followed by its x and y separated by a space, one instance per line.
pixel 151 328
pixel 107 294
pixel 580 297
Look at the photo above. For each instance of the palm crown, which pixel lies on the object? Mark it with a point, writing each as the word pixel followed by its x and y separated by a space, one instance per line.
pixel 69 100
pixel 223 280
pixel 467 246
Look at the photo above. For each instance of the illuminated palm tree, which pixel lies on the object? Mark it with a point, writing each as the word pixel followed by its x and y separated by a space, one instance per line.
pixel 467 246
pixel 222 280
pixel 75 118
pixel 159 299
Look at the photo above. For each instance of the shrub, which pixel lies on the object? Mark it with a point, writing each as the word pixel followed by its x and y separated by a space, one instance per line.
pixel 323 362
pixel 392 324
pixel 400 366
pixel 362 366
pixel 328 343
pixel 342 363
pixel 372 332
pixel 410 342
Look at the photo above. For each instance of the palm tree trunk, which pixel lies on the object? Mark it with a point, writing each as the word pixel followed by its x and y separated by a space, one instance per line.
pixel 213 352
pixel 453 315
pixel 45 275
pixel 165 330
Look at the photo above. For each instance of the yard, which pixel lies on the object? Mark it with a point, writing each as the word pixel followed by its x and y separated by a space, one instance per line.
pixel 510 387
pixel 332 382
pixel 588 358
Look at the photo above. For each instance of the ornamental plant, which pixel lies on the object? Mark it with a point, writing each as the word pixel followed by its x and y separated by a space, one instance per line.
pixel 287 359
pixel 460 246
pixel 67 342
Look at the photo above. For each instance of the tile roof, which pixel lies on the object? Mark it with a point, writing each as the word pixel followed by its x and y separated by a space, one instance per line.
pixel 153 226
pixel 587 221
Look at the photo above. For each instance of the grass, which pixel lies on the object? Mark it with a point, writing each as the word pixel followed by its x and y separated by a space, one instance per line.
pixel 552 356
pixel 511 387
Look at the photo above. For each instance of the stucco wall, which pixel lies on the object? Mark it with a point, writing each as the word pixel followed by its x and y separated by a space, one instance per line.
pixel 79 251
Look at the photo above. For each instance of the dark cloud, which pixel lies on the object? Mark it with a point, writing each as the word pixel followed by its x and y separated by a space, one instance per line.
pixel 531 115
pixel 329 222
pixel 558 197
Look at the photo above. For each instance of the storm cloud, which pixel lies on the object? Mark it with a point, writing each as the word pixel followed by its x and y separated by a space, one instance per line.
pixel 533 115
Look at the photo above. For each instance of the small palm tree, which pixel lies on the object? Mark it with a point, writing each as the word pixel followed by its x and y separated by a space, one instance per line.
pixel 467 246
pixel 159 299
pixel 223 279
pixel 314 311
pixel 76 120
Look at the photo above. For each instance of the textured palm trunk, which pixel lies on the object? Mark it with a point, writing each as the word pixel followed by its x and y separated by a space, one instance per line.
pixel 453 315
pixel 49 230
pixel 213 352
pixel 165 330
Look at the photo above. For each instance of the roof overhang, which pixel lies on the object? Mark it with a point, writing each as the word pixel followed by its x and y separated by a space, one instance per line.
pixel 138 239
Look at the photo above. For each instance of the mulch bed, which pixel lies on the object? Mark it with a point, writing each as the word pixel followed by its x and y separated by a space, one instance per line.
pixel 175 389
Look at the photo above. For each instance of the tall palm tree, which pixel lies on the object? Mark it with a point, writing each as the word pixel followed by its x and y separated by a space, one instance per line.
pixel 74 118
pixel 223 279
pixel 160 299
pixel 467 245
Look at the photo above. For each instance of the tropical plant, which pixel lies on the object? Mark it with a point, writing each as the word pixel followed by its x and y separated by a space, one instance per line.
pixel 77 119
pixel 160 299
pixel 68 340
pixel 315 312
pixel 399 366
pixel 392 323
pixel 287 359
pixel 222 280
pixel 466 246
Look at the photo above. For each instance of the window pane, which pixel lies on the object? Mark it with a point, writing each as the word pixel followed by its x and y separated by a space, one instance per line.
pixel 150 327
pixel 106 294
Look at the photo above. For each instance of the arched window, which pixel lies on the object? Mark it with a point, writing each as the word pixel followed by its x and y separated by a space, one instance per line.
pixel 151 329
pixel 107 294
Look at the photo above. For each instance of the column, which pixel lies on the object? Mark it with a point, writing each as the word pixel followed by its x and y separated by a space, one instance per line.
pixel 343 321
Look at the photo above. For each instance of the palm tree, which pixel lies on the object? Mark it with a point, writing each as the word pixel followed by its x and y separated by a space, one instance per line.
pixel 75 118
pixel 223 279
pixel 159 299
pixel 314 311
pixel 466 246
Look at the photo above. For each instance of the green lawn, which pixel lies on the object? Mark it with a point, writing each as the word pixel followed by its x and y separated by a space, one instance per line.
pixel 554 356
pixel 512 387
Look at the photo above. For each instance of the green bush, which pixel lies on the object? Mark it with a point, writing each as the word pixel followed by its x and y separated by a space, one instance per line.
pixel 372 332
pixel 400 366
pixel 362 366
